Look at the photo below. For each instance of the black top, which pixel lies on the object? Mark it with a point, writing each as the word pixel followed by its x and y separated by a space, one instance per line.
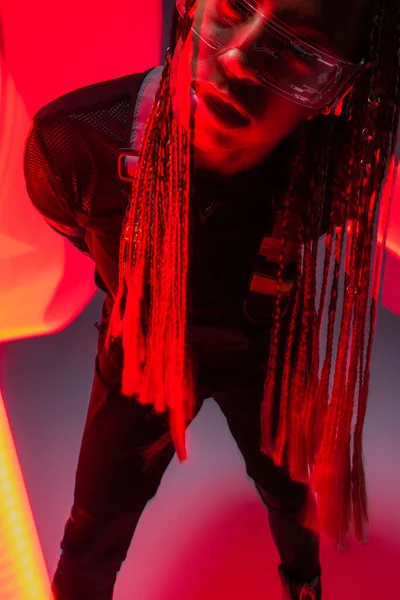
pixel 71 175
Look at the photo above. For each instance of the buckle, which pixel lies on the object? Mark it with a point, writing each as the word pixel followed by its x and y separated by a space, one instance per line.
pixel 127 164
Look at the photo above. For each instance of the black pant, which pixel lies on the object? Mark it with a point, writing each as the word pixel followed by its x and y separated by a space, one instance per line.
pixel 113 483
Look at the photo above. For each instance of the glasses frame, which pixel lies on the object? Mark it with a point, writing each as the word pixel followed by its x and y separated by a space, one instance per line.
pixel 346 70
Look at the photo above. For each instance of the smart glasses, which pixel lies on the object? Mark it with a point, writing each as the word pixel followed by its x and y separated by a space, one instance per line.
pixel 279 59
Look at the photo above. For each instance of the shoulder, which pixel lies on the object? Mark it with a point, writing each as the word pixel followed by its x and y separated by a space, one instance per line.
pixel 75 139
pixel 91 98
pixel 99 114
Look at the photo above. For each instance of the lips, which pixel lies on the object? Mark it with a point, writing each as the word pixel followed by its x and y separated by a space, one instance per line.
pixel 225 111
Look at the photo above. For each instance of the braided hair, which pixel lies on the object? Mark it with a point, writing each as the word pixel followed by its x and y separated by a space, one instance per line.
pixel 342 164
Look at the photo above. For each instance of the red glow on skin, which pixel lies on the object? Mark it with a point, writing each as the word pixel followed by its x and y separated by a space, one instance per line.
pixel 218 146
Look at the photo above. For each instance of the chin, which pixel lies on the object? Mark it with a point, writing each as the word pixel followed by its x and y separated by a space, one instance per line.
pixel 213 138
pixel 220 161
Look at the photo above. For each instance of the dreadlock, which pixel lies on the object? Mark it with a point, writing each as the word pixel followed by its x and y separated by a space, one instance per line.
pixel 315 429
pixel 339 164
pixel 154 251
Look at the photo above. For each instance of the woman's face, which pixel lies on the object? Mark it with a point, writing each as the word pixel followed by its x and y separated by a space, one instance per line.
pixel 231 143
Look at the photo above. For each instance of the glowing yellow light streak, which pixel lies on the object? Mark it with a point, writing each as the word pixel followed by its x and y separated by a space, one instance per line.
pixel 23 573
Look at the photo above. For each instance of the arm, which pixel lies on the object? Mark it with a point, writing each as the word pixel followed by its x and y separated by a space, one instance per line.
pixel 45 189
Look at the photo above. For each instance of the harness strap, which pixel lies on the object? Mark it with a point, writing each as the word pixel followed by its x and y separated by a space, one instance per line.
pixel 128 157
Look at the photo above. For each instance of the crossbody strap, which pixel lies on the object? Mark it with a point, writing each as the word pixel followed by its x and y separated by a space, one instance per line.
pixel 128 158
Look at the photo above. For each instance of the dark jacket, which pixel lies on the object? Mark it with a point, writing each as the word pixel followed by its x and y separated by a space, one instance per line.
pixel 71 175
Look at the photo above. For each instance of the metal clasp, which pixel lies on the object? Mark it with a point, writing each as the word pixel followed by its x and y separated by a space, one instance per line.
pixel 127 164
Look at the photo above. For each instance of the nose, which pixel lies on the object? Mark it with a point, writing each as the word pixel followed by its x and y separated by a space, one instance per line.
pixel 236 65
pixel 235 59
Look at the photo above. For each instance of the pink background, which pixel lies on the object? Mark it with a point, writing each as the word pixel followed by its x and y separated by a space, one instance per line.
pixel 205 535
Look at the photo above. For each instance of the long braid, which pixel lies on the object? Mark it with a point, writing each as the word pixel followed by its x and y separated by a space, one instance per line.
pixel 312 410
pixel 267 408
pixel 297 388
pixel 305 372
pixel 389 162
pixel 334 244
pixel 282 435
pixel 154 248
pixel 333 479
pixel 356 183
